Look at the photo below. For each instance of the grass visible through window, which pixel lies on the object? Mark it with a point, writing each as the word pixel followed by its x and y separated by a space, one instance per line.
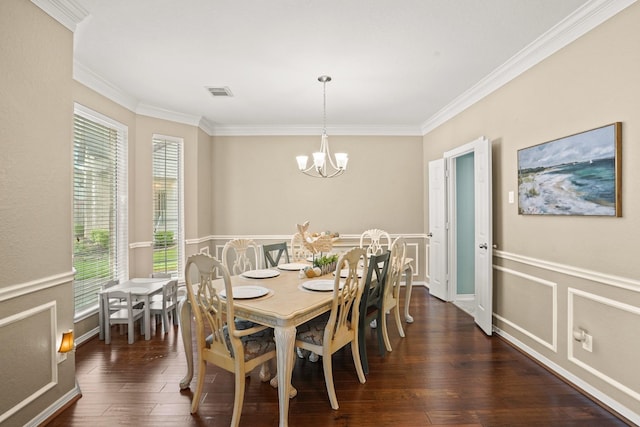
pixel 165 259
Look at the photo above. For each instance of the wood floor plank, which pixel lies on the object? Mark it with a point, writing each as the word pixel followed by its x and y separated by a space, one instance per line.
pixel 446 372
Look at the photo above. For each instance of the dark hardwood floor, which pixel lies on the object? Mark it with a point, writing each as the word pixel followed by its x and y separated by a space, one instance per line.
pixel 445 372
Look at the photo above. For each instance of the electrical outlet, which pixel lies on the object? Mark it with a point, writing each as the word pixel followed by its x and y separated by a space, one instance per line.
pixel 587 344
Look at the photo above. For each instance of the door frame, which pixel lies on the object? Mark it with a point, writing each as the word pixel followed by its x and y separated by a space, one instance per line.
pixel 483 239
pixel 450 159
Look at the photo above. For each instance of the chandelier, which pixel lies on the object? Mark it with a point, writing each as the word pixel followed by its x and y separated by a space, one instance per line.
pixel 323 165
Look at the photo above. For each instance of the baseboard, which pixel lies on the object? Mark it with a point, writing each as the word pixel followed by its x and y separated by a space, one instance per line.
pixel 588 389
pixel 87 336
pixel 46 416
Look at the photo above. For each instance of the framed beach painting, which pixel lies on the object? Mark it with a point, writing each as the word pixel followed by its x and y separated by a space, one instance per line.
pixel 576 175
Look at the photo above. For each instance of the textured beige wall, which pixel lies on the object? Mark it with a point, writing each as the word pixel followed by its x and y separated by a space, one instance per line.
pixel 591 82
pixel 257 188
pixel 204 184
pixel 35 135
pixel 35 207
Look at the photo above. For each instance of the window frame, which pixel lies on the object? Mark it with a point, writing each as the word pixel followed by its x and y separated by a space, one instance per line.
pixel 180 239
pixel 121 215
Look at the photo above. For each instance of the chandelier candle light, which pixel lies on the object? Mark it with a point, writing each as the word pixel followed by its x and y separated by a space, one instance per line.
pixel 322 158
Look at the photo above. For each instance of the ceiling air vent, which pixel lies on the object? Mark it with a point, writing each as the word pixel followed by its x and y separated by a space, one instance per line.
pixel 220 91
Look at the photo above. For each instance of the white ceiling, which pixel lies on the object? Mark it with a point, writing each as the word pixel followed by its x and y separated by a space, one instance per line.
pixel 396 65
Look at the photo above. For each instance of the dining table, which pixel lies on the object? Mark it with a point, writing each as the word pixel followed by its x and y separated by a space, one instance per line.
pixel 286 305
pixel 142 289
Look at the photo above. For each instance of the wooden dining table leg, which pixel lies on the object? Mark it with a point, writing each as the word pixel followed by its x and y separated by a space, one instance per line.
pixel 184 316
pixel 285 340
pixel 408 280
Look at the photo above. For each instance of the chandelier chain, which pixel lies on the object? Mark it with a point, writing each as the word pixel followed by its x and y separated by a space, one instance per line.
pixel 324 107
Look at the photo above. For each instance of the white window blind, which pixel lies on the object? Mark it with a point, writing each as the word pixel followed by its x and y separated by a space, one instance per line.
pixel 99 205
pixel 167 205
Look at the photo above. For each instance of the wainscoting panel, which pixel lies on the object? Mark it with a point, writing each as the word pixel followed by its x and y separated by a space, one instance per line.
pixel 538 318
pixel 35 330
pixel 539 304
pixel 613 325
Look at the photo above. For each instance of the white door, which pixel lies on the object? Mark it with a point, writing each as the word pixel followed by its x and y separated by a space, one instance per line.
pixel 484 235
pixel 439 216
pixel 438 229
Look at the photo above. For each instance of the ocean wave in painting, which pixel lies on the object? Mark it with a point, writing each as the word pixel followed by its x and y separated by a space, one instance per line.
pixel 583 188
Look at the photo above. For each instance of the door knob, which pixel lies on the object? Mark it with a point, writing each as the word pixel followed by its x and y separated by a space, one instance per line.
pixel 430 235
pixel 483 246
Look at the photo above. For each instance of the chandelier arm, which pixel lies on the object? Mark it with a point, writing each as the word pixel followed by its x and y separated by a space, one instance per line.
pixel 333 165
pixel 314 172
pixel 336 173
pixel 316 175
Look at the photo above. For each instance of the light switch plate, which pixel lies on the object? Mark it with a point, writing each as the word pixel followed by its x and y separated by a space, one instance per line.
pixel 512 197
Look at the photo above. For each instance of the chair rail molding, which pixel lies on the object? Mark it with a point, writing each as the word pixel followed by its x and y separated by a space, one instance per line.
pixel 21 289
pixel 138 245
pixel 603 278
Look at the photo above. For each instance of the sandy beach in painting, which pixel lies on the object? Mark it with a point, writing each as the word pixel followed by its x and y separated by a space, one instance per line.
pixel 558 191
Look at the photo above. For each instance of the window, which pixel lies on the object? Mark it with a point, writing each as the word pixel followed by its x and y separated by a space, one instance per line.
pixel 99 205
pixel 167 205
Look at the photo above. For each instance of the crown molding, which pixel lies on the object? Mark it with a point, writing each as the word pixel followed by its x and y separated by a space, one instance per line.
pixel 316 130
pixel 94 81
pixel 583 20
pixel 207 126
pixel 67 12
pixel 174 116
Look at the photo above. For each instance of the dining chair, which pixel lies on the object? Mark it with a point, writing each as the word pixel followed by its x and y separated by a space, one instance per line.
pixel 166 305
pixel 375 239
pixel 391 300
pixel 371 304
pixel 242 261
pixel 124 316
pixel 273 253
pixel 182 292
pixel 114 305
pixel 218 340
pixel 333 330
